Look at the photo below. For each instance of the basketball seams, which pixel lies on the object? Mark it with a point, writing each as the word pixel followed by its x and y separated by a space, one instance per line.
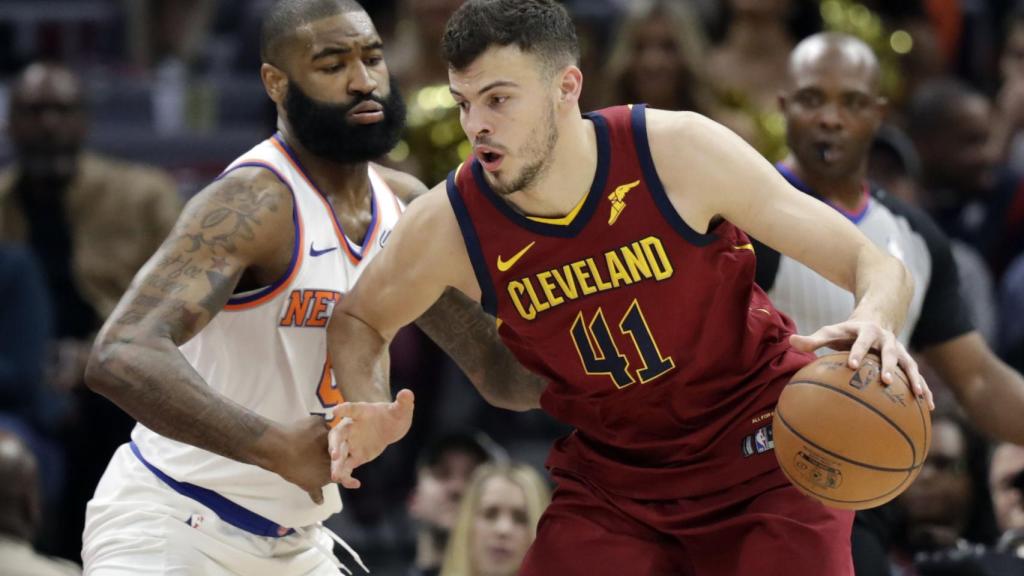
pixel 881 499
pixel 778 414
pixel 913 449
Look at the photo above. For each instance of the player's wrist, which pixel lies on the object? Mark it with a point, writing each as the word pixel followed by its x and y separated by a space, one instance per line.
pixel 270 449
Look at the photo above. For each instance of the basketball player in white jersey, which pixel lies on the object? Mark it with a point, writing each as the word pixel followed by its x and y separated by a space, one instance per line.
pixel 833 110
pixel 219 347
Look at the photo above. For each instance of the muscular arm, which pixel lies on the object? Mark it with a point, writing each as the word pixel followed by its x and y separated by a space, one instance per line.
pixel 470 336
pixel 401 283
pixel 226 229
pixel 720 176
pixel 725 177
pixel 991 392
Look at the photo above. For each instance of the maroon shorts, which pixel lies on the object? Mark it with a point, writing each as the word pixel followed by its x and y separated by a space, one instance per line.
pixel 763 527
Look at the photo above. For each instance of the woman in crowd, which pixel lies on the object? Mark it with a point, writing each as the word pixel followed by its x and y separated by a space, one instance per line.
pixel 497 521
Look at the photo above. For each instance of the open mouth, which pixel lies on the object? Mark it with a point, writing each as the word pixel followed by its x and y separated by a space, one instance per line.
pixel 489 158
pixel 827 152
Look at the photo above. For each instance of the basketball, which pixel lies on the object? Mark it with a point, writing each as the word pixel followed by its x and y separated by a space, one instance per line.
pixel 845 438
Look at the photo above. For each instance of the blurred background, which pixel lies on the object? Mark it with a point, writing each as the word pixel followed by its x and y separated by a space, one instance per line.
pixel 164 94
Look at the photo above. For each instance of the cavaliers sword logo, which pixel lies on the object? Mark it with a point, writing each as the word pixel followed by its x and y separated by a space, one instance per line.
pixel 618 198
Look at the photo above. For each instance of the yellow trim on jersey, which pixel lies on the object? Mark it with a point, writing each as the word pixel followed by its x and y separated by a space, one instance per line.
pixel 458 169
pixel 563 220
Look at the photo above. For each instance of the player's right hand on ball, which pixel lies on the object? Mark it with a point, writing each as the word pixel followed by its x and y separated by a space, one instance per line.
pixel 303 457
pixel 365 430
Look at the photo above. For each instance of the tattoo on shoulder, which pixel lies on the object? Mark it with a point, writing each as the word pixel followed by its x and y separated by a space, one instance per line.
pixel 237 209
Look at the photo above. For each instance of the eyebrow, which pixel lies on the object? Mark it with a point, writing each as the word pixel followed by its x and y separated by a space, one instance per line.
pixel 342 50
pixel 488 88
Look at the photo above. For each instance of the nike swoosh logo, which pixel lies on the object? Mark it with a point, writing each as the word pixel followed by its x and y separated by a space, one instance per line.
pixel 314 252
pixel 504 265
pixel 747 246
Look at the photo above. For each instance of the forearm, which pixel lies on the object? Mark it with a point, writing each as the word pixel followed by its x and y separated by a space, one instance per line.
pixel 470 337
pixel 883 289
pixel 359 355
pixel 994 400
pixel 156 385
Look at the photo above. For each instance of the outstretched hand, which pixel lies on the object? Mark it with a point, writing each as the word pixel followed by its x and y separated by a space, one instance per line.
pixel 861 337
pixel 364 431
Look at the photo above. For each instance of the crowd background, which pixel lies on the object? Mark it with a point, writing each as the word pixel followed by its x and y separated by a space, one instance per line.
pixel 116 111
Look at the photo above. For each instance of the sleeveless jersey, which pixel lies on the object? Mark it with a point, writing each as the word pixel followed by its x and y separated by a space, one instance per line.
pixel 659 348
pixel 267 349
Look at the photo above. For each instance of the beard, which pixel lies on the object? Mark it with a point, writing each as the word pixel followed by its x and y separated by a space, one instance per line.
pixel 540 150
pixel 324 129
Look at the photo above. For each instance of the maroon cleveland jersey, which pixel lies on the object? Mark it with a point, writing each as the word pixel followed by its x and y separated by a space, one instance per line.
pixel 660 349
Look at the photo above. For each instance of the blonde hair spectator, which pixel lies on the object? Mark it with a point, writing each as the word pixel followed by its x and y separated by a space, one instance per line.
pixel 658 58
pixel 497 521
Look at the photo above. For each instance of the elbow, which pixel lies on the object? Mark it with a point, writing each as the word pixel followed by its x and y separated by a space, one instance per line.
pixel 98 375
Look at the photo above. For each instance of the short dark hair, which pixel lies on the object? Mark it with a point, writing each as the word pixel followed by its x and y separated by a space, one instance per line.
pixel 286 15
pixel 541 27
pixel 933 104
pixel 477 445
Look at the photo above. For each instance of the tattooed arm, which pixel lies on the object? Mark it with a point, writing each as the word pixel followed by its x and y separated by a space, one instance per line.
pixel 239 227
pixel 467 334
pixel 470 336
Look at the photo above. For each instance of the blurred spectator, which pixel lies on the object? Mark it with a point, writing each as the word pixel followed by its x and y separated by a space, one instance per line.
pixel 969 194
pixel 434 142
pixel 497 521
pixel 445 469
pixel 1011 304
pixel 24 337
pixel 415 54
pixel 28 405
pixel 1007 142
pixel 747 70
pixel 20 514
pixel 168 29
pixel 658 58
pixel 1006 481
pixel 896 168
pixel 948 505
pixel 93 222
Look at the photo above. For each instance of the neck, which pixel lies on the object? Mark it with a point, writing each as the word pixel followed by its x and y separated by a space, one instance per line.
pixel 347 183
pixel 757 37
pixel 430 545
pixel 846 191
pixel 568 177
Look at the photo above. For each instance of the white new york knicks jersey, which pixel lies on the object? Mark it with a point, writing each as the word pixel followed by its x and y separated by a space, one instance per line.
pixel 267 349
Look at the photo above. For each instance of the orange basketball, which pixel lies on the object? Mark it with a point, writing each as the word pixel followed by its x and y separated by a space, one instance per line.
pixel 845 438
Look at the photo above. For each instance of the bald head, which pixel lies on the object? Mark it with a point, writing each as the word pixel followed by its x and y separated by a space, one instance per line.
pixel 832 107
pixel 837 50
pixel 46 78
pixel 285 17
pixel 19 491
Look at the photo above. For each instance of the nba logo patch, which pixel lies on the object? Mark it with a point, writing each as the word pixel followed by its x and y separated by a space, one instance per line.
pixel 759 442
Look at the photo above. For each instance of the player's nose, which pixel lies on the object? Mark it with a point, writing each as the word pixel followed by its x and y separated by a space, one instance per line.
pixel 360 81
pixel 476 124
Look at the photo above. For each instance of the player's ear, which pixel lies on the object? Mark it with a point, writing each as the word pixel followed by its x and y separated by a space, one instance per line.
pixel 275 82
pixel 570 85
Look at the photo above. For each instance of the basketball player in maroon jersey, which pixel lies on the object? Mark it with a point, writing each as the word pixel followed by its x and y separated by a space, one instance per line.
pixel 608 247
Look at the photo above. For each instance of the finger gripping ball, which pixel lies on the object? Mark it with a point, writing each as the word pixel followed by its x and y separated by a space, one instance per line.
pixel 845 438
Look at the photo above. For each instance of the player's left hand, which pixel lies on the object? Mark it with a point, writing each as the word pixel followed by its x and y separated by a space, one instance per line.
pixel 365 430
pixel 860 337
